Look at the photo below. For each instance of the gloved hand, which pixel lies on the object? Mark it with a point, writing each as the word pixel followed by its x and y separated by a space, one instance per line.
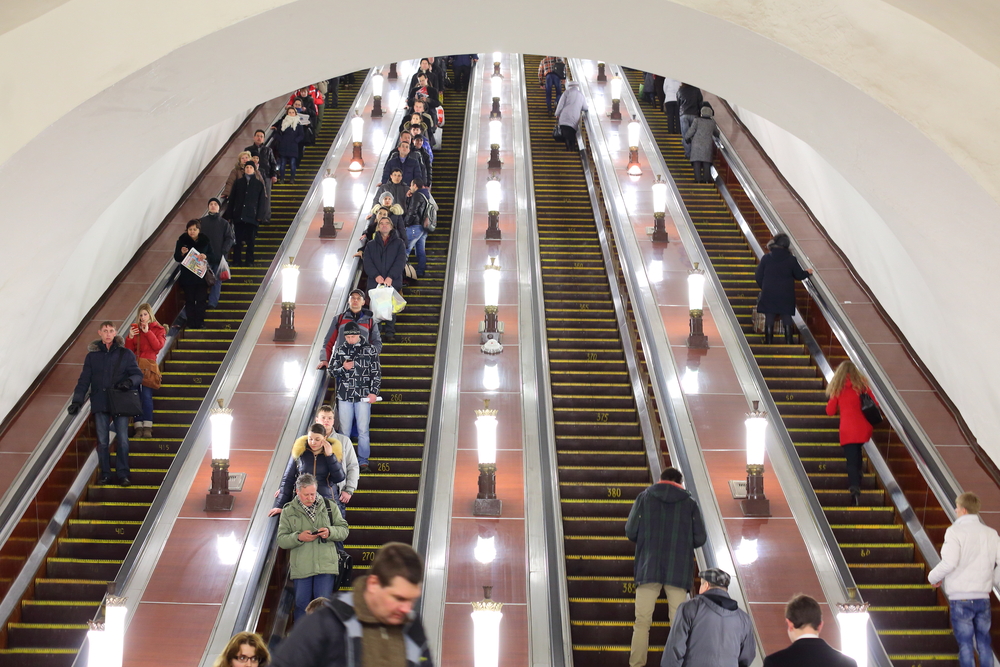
pixel 73 409
pixel 124 385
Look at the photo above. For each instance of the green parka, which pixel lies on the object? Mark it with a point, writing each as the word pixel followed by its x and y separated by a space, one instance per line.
pixel 316 557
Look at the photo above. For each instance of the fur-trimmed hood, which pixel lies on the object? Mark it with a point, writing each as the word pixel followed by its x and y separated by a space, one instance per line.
pixel 96 345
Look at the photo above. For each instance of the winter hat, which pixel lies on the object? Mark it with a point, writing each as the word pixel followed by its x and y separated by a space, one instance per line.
pixel 715 577
pixel 216 200
pixel 352 329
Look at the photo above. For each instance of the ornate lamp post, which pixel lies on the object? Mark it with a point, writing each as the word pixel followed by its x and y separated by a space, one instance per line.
pixel 219 498
pixel 486 617
pixel 357 135
pixel 696 302
pixel 659 210
pixel 495 82
pixel 493 195
pixel 756 503
pixel 289 288
pixel 377 82
pixel 616 98
pixel 633 148
pixel 487 503
pixel 329 228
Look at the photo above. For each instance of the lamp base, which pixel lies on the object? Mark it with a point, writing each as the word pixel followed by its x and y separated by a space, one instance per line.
pixel 756 507
pixel 659 235
pixel 485 335
pixel 329 228
pixel 282 334
pixel 219 502
pixel 487 507
pixel 698 341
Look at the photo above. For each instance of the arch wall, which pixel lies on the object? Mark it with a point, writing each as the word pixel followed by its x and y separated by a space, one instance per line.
pixel 897 96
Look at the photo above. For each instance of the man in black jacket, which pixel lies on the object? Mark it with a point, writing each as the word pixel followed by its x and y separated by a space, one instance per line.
pixel 108 367
pixel 219 232
pixel 804 620
pixel 689 107
pixel 369 625
pixel 268 165
pixel 245 205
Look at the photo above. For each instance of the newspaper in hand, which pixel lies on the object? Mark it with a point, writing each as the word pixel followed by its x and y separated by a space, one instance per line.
pixel 197 266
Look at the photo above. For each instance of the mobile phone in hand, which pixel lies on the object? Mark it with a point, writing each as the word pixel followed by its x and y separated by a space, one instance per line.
pixel 314 532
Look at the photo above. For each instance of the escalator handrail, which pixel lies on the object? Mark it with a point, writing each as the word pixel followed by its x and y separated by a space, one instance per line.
pixel 932 467
pixel 65 427
pixel 848 587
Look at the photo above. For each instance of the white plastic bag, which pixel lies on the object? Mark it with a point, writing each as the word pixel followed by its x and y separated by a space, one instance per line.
pixel 385 301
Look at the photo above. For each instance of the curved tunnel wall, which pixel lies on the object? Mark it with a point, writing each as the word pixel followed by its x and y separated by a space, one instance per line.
pixel 875 88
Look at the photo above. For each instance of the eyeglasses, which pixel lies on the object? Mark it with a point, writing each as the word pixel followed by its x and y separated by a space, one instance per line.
pixel 244 659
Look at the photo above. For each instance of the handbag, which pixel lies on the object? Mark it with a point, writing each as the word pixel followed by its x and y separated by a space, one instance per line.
pixel 557 132
pixel 151 376
pixel 123 403
pixel 870 410
pixel 759 321
pixel 210 277
pixel 345 565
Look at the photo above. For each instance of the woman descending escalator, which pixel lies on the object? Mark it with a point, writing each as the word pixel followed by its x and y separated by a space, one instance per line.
pixel 145 338
pixel 194 271
pixel 845 392
pixel 776 275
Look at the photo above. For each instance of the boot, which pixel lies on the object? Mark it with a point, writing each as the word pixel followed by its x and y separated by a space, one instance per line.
pixel 855 496
pixel 789 336
pixel 148 433
pixel 768 336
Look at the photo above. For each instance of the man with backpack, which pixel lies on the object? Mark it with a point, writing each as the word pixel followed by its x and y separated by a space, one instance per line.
pixel 420 218
pixel 357 313
pixel 551 72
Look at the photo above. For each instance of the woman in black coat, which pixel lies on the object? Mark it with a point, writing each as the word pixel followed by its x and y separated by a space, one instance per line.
pixel 385 261
pixel 776 275
pixel 246 206
pixel 195 288
pixel 288 139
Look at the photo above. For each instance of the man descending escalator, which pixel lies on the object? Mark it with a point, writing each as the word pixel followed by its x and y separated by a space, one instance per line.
pixel 355 365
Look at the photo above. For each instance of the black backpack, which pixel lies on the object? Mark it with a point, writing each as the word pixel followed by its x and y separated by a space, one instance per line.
pixel 560 69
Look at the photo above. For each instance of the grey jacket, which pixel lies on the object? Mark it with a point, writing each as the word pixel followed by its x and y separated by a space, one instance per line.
pixel 710 630
pixel 701 134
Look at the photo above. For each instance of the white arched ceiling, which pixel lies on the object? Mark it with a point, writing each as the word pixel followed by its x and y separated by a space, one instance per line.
pixel 897 96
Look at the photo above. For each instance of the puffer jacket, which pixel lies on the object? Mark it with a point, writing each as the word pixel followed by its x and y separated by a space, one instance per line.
pixel 308 559
pixel 710 630
pixel 326 469
pixel 98 374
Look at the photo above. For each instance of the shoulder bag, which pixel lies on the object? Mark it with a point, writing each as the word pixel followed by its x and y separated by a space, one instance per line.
pixel 870 410
pixel 344 564
pixel 151 376
pixel 123 403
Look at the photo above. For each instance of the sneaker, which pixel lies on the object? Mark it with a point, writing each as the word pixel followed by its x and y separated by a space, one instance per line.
pixel 124 481
pixel 364 468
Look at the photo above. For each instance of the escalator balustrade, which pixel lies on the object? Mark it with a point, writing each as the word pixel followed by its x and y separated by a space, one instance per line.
pixel 911 621
pixel 51 623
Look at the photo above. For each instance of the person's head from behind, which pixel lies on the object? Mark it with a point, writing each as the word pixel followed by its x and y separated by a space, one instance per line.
pixel 672 475
pixel 316 438
pixel 258 137
pixel 967 503
pixel 779 241
pixel 396 176
pixel 713 577
pixel 846 371
pixel 193 229
pixel 324 418
pixel 803 615
pixel 245 649
pixel 305 489
pixel 393 583
pixel 107 331
pixel 314 605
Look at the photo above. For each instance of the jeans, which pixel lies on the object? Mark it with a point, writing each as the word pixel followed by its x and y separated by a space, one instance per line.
pixel 970 621
pixel 102 420
pixel 852 452
pixel 686 121
pixel 416 236
pixel 146 396
pixel 349 411
pixel 215 291
pixel 645 603
pixel 310 588
pixel 552 81
pixel 282 161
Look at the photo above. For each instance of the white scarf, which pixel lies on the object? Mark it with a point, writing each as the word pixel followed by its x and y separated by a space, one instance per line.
pixel 289 122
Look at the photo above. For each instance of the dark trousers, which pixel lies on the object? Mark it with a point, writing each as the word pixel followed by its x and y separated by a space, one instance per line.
pixel 333 92
pixel 854 461
pixel 686 121
pixel 462 77
pixel 702 172
pixel 388 327
pixel 569 135
pixel 673 119
pixel 245 234
pixel 552 83
pixel 265 213
pixel 195 304
pixel 785 320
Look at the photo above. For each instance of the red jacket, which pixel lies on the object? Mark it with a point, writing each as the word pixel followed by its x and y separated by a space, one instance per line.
pixel 147 345
pixel 854 428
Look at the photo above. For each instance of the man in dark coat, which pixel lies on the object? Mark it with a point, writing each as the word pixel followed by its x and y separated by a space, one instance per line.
pixel 108 366
pixel 372 624
pixel 666 525
pixel 219 232
pixel 246 203
pixel 462 66
pixel 406 162
pixel 268 165
pixel 689 107
pixel 385 261
pixel 804 620
pixel 710 629
pixel 776 275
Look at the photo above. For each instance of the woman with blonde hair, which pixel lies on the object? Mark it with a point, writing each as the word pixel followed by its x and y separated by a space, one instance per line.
pixel 245 649
pixel 237 171
pixel 145 338
pixel 844 393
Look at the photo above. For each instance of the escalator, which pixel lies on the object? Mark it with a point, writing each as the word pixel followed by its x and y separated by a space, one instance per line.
pixel 601 454
pixel 384 507
pixel 51 622
pixel 911 619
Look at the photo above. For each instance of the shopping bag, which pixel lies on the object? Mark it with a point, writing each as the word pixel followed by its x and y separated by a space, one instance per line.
pixel 381 302
pixel 398 302
pixel 224 270
pixel 758 323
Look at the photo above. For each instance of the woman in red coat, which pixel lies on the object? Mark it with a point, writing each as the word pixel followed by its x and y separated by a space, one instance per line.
pixel 145 338
pixel 844 392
